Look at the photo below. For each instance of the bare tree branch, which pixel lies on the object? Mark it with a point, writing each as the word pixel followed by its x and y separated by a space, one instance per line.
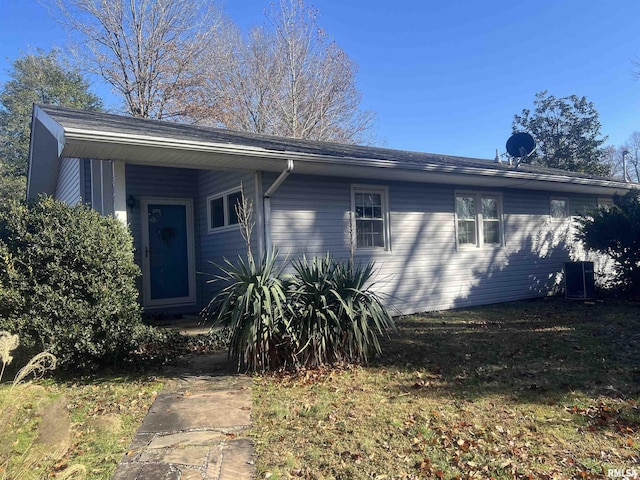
pixel 287 78
pixel 152 52
pixel 183 60
pixel 613 157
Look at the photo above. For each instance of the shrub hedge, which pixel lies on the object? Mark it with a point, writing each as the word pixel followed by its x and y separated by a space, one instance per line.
pixel 67 283
pixel 616 232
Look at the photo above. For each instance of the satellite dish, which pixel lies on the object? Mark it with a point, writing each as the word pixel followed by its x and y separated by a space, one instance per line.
pixel 520 145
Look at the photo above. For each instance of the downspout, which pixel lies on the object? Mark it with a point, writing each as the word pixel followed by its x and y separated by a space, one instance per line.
pixel 267 204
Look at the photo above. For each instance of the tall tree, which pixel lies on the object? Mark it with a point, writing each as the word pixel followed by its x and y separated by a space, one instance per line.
pixel 632 147
pixel 34 78
pixel 616 158
pixel 11 186
pixel 153 53
pixel 289 78
pixel 611 157
pixel 567 133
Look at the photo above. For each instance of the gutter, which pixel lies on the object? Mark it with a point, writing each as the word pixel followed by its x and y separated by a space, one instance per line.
pixel 82 137
pixel 267 204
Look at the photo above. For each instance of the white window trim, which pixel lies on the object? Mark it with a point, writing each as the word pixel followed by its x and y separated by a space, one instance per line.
pixel 567 211
pixel 225 205
pixel 478 195
pixel 384 192
pixel 606 202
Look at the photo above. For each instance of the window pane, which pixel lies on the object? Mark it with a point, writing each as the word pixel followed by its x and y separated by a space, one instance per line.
pixel 491 231
pixel 233 200
pixel 374 199
pixel 368 205
pixel 467 232
pixel 368 212
pixel 558 208
pixel 369 220
pixel 491 221
pixel 465 207
pixel 490 208
pixel 216 207
pixel 369 233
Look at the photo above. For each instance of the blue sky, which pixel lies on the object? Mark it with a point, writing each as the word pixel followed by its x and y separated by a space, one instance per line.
pixel 446 76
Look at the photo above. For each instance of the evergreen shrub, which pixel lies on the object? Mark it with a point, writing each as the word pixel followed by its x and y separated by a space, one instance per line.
pixel 67 283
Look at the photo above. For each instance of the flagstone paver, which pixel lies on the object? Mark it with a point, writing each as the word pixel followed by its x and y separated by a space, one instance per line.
pixel 196 428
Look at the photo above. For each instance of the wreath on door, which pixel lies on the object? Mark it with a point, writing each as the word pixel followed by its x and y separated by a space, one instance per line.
pixel 167 234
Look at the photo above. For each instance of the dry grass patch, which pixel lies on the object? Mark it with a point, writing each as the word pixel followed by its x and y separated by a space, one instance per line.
pixel 70 429
pixel 544 389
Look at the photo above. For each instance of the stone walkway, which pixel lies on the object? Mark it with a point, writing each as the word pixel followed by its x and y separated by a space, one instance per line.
pixel 196 427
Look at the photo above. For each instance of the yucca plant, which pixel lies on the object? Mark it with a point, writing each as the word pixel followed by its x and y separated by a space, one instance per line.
pixel 317 322
pixel 364 316
pixel 338 316
pixel 253 304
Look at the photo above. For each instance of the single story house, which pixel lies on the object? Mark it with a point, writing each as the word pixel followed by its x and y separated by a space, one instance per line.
pixel 444 231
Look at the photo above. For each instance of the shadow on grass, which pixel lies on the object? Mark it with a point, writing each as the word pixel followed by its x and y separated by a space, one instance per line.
pixel 531 350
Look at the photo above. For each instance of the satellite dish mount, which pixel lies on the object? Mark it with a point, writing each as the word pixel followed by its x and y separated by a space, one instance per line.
pixel 520 146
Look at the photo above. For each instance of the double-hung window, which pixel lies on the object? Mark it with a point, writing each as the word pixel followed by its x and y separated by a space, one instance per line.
pixel 221 210
pixel 559 208
pixel 478 219
pixel 490 221
pixel 370 217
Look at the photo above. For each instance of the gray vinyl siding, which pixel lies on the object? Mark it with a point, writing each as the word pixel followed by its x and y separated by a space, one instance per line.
pixel 425 269
pixel 215 246
pixel 68 186
pixel 85 180
pixel 310 215
pixel 143 181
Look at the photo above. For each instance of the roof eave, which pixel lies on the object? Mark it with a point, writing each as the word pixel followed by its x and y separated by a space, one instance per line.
pixel 198 154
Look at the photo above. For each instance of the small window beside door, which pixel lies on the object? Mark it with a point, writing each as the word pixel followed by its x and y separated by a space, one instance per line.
pixel 221 210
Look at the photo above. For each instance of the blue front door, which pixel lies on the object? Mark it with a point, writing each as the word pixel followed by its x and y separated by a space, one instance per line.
pixel 168 252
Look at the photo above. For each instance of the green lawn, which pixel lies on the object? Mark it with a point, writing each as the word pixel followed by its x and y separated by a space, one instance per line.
pixel 539 389
pixel 80 428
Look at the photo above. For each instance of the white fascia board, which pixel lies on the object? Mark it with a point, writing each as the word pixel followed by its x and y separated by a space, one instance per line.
pixel 111 138
pixel 84 136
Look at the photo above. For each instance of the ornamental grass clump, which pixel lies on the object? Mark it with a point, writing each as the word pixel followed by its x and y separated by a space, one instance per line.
pixel 36 367
pixel 325 313
pixel 33 450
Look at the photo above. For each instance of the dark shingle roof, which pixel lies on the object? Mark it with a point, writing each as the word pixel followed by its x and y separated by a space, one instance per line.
pixel 104 122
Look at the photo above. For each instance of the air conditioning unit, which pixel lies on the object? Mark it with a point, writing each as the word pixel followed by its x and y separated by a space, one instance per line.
pixel 579 280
